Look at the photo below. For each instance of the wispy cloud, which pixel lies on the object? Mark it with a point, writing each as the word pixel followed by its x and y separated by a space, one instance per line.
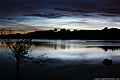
pixel 51 11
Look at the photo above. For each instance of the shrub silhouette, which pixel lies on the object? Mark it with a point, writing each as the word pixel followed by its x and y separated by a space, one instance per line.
pixel 20 50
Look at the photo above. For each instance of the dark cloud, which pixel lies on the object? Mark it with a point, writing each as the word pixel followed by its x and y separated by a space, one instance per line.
pixel 110 15
pixel 8 7
pixel 69 9
pixel 76 22
pixel 53 15
pixel 18 10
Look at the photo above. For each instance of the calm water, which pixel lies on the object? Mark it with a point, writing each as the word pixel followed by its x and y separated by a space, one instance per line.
pixel 54 53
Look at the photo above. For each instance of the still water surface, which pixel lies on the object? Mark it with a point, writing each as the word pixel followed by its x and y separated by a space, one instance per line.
pixel 58 53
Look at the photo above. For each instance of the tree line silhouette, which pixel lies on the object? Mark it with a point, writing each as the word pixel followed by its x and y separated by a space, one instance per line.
pixel 106 34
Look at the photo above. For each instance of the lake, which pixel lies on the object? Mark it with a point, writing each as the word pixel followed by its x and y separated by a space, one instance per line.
pixel 58 59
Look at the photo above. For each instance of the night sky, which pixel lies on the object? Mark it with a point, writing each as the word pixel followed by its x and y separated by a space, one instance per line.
pixel 29 15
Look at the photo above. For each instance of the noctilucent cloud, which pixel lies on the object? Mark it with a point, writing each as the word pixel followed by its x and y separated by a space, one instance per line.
pixel 29 15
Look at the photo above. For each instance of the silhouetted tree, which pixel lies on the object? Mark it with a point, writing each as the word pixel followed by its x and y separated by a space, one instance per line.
pixel 63 30
pixel 2 31
pixel 106 28
pixel 55 29
pixel 10 31
pixel 20 49
pixel 68 30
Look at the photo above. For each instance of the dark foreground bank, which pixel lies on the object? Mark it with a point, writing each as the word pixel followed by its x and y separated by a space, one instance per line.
pixel 66 72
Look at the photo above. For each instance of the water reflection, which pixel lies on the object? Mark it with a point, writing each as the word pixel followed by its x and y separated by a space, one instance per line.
pixel 60 49
pixel 106 48
pixel 31 61
pixel 78 50
pixel 70 46
pixel 20 50
pixel 51 45
pixel 67 49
